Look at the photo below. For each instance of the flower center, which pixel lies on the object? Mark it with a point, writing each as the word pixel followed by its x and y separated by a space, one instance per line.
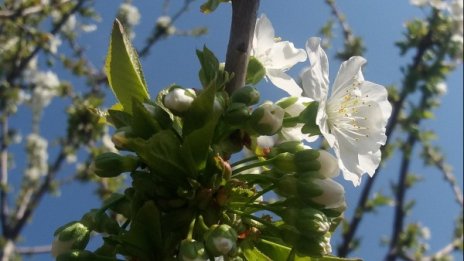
pixel 343 112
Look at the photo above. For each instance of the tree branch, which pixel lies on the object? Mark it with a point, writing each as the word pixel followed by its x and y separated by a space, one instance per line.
pixel 347 33
pixel 4 210
pixel 33 250
pixel 241 35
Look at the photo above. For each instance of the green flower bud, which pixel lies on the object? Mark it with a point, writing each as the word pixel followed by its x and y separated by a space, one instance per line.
pixel 221 240
pixel 100 222
pixel 192 250
pixel 237 114
pixel 267 119
pixel 287 186
pixel 247 95
pixel 305 160
pixel 111 164
pixel 72 236
pixel 288 146
pixel 295 185
pixel 312 222
pixel 121 137
pixel 284 162
pixel 178 100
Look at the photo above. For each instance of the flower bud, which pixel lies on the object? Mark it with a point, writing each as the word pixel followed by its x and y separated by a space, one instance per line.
pixel 192 250
pixel 237 114
pixel 311 221
pixel 178 100
pixel 221 240
pixel 329 165
pixel 305 160
pixel 247 95
pixel 333 194
pixel 284 162
pixel 100 222
pixel 72 236
pixel 267 119
pixel 288 146
pixel 120 138
pixel 111 164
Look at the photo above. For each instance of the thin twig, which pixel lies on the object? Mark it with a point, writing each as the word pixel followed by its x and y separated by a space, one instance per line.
pixel 347 32
pixel 10 14
pixel 34 250
pixel 446 250
pixel 448 175
pixel 15 72
pixel 241 35
pixel 158 34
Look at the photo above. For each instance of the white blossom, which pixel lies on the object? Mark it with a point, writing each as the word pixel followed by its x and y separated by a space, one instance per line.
pixel 37 155
pixel 276 56
pixel 130 13
pixel 164 22
pixel 354 117
pixel 45 87
pixel 178 99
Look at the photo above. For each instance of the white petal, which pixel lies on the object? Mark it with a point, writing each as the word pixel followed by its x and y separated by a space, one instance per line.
pixel 379 94
pixel 369 162
pixel 329 164
pixel 349 73
pixel 284 55
pixel 284 82
pixel 333 195
pixel 264 35
pixel 315 79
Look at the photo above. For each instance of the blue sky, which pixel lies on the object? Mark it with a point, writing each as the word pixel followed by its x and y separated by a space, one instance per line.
pixel 380 23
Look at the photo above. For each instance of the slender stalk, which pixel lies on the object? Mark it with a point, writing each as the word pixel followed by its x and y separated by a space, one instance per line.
pixel 244 161
pixel 4 211
pixel 239 47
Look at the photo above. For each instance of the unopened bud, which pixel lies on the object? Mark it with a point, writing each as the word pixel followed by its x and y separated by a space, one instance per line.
pixel 237 114
pixel 305 160
pixel 192 250
pixel 329 165
pixel 111 164
pixel 72 236
pixel 267 119
pixel 333 194
pixel 221 240
pixel 284 162
pixel 312 221
pixel 288 146
pixel 178 100
pixel 247 95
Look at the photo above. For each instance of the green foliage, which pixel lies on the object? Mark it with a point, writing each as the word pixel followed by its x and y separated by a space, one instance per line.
pixel 124 71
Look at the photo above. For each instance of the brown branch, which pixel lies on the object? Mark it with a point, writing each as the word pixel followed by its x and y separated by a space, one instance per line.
pixel 446 250
pixel 4 210
pixel 241 35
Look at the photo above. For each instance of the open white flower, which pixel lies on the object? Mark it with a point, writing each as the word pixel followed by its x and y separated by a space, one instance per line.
pixel 276 56
pixel 354 117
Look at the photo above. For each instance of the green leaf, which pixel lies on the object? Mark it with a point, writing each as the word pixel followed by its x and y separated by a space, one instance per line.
pixel 144 124
pixel 255 71
pixel 275 250
pixel 162 154
pixel 252 253
pixel 123 69
pixel 144 239
pixel 119 118
pixel 199 125
pixel 308 116
pixel 209 66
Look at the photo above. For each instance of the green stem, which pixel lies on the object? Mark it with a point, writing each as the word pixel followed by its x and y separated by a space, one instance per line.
pixel 252 165
pixel 262 192
pixel 244 161
pixel 244 214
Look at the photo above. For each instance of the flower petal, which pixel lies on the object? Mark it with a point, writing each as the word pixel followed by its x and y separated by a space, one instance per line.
pixel 315 79
pixel 284 81
pixel 284 55
pixel 263 38
pixel 348 74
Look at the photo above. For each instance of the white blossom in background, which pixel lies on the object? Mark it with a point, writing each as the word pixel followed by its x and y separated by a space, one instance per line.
pixel 442 89
pixel 130 13
pixel 276 56
pixel 53 43
pixel 88 28
pixel 107 144
pixel 353 119
pixel 37 155
pixel 164 22
pixel 45 87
